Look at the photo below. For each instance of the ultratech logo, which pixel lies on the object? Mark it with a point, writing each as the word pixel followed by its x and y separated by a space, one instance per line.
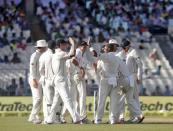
pixel 157 106
pixel 16 106
pixel 168 106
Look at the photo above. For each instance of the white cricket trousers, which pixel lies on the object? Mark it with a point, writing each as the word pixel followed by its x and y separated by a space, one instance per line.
pixel 123 84
pixel 48 93
pixel 132 98
pixel 61 90
pixel 104 91
pixel 79 96
pixel 134 94
pixel 36 100
pixel 77 91
pixel 73 96
pixel 56 108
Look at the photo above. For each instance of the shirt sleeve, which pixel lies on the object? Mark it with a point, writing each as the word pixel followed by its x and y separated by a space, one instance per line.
pixel 139 72
pixel 98 71
pixel 42 65
pixel 33 66
pixel 139 65
pixel 131 61
pixel 98 66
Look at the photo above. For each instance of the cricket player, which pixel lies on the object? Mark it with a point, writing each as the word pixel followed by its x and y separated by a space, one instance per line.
pixel 76 79
pixel 34 78
pixel 47 74
pixel 79 80
pixel 76 74
pixel 60 80
pixel 109 66
pixel 134 65
pixel 73 70
pixel 122 81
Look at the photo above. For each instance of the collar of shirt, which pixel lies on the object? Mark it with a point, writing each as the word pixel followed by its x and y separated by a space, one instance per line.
pixel 58 50
pixel 49 50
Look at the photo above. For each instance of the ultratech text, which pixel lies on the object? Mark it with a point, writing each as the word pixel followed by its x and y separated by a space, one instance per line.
pixel 157 106
pixel 16 106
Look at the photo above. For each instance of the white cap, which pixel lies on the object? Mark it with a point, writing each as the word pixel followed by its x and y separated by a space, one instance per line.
pixel 41 43
pixel 113 41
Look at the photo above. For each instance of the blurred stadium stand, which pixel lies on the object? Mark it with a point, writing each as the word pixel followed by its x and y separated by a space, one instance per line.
pixel 144 22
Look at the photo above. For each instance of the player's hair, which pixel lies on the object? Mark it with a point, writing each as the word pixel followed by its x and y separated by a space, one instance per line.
pixel 111 47
pixel 125 43
pixel 51 44
pixel 83 43
pixel 60 41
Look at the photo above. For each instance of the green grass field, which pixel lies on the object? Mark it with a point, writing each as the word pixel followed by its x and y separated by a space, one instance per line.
pixel 149 124
pixel 154 121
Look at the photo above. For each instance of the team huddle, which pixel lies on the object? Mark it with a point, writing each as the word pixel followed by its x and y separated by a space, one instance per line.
pixel 57 76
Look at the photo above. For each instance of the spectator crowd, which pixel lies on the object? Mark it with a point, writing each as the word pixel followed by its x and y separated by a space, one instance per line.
pixel 14 88
pixel 102 19
pixel 14 32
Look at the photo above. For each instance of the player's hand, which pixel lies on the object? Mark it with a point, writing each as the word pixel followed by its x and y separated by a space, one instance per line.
pixel 34 83
pixel 71 40
pixel 74 61
pixel 82 73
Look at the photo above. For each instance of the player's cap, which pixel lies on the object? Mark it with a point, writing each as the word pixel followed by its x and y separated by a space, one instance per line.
pixel 41 43
pixel 113 41
pixel 125 43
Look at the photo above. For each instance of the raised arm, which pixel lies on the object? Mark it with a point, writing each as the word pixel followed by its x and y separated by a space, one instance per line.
pixel 71 53
pixel 72 49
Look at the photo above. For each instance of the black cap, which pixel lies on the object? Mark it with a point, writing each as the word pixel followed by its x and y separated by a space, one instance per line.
pixel 125 43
